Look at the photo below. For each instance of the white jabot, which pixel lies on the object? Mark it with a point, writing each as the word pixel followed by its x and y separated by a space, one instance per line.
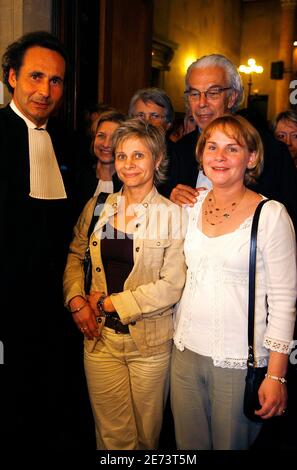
pixel 104 187
pixel 45 177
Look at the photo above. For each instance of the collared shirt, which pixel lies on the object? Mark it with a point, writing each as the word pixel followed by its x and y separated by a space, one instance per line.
pixel 203 181
pixel 103 187
pixel 29 123
pixel 45 177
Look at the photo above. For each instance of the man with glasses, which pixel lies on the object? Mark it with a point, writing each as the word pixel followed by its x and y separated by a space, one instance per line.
pixel 214 88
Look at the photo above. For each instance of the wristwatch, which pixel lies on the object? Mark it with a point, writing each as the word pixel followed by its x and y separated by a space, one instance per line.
pixel 100 307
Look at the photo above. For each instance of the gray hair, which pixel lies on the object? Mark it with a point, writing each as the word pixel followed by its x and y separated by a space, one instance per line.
pixel 233 76
pixel 155 95
pixel 289 115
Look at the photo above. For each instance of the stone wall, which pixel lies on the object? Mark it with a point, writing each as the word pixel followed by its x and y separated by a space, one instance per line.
pixel 260 40
pixel 199 27
pixel 237 29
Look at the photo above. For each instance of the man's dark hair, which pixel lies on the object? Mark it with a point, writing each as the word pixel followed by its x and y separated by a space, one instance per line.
pixel 14 54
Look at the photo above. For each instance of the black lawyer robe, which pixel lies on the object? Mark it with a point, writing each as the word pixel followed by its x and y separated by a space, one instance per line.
pixel 34 240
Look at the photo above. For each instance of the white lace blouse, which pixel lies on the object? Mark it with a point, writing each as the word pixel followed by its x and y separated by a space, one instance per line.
pixel 211 317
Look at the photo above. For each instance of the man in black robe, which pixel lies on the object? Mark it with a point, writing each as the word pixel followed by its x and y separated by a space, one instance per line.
pixel 37 215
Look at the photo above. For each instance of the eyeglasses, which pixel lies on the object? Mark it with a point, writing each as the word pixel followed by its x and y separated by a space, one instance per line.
pixel 212 94
pixel 154 117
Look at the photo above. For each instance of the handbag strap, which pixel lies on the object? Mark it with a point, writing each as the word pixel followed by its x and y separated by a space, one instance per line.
pixel 252 279
pixel 97 211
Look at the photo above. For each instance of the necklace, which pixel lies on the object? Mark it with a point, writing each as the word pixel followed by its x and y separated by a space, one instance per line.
pixel 216 215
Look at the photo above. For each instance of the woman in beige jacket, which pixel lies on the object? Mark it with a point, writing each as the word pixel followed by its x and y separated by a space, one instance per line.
pixel 138 273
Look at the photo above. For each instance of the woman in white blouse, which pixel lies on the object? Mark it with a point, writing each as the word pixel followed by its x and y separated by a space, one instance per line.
pixel 210 353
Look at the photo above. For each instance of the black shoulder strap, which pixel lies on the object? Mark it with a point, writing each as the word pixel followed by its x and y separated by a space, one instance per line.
pixel 97 211
pixel 252 279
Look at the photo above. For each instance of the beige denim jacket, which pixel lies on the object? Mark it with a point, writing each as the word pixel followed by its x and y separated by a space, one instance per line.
pixel 156 281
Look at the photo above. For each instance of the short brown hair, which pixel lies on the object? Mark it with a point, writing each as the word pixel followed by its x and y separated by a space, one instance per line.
pixel 239 129
pixel 154 138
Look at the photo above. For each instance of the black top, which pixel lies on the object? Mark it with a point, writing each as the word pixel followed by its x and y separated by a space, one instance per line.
pixel 35 233
pixel 165 188
pixel 117 257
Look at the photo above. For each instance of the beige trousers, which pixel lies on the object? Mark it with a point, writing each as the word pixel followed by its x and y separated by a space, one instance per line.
pixel 127 392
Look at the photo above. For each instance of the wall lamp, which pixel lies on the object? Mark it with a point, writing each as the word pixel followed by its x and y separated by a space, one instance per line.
pixel 249 69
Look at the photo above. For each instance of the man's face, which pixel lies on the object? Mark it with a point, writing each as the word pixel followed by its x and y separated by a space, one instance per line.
pixel 205 110
pixel 38 88
pixel 151 112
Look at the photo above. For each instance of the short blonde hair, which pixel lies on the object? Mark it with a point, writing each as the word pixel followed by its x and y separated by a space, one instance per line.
pixel 154 138
pixel 239 129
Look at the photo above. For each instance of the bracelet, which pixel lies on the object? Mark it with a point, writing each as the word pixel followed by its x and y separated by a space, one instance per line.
pixel 282 380
pixel 78 309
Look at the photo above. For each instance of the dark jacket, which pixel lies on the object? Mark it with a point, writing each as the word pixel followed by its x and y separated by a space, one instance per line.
pixel 37 231
pixel 34 236
pixel 34 240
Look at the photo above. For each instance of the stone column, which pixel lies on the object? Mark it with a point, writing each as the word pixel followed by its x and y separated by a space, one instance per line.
pixel 287 25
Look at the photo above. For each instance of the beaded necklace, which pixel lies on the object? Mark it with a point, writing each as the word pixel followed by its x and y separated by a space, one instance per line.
pixel 216 215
